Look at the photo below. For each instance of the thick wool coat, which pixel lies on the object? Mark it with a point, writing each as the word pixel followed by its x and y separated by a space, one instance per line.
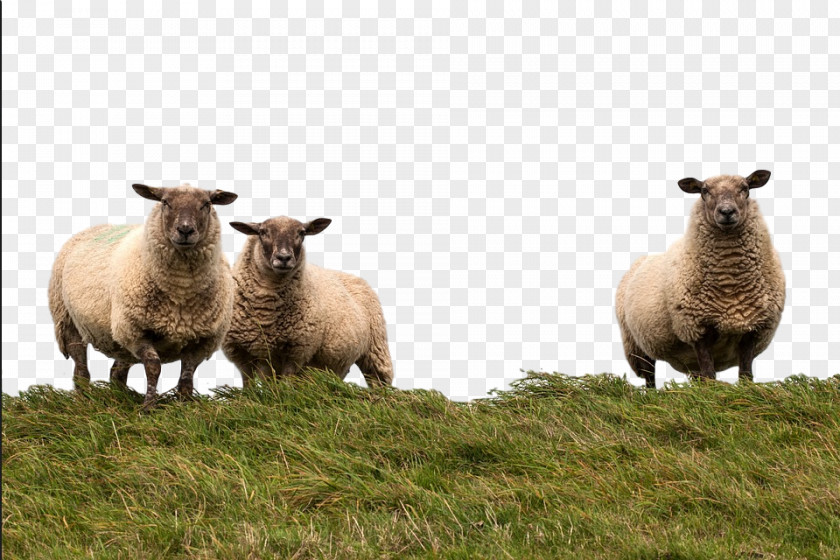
pixel 118 283
pixel 731 281
pixel 312 317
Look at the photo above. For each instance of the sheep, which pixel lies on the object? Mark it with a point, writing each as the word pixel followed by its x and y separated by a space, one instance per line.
pixel 714 299
pixel 289 314
pixel 147 294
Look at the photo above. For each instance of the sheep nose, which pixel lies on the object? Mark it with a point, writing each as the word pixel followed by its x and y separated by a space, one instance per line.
pixel 186 229
pixel 283 258
pixel 727 211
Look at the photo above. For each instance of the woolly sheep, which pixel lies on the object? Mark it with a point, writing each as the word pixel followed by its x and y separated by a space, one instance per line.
pixel 146 294
pixel 713 300
pixel 289 314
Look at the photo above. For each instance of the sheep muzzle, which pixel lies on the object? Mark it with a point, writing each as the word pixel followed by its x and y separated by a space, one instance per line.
pixel 283 262
pixel 727 216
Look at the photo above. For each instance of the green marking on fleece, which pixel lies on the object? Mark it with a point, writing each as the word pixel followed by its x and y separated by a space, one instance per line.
pixel 114 233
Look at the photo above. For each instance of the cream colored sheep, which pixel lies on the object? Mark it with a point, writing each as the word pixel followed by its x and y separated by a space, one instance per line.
pixel 154 294
pixel 289 314
pixel 713 300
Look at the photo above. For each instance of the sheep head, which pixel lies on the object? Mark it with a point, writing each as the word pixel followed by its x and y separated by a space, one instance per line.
pixel 281 240
pixel 726 197
pixel 185 212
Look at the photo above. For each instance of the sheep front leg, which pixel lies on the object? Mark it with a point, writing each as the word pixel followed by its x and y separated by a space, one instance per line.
pixel 746 353
pixel 185 381
pixel 151 362
pixel 284 367
pixel 703 348
pixel 265 369
pixel 243 360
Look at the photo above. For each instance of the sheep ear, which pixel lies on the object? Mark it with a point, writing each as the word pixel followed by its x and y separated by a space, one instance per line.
pixel 317 226
pixel 152 193
pixel 247 229
pixel 222 198
pixel 691 185
pixel 758 178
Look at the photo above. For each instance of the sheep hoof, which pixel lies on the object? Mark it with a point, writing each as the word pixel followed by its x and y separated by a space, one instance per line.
pixel 149 403
pixel 80 383
pixel 185 393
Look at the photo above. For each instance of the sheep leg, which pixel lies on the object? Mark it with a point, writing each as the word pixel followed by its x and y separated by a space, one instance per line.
pixel 256 368
pixel 283 363
pixel 77 349
pixel 375 364
pixel 250 373
pixel 267 368
pixel 746 353
pixel 264 369
pixel 643 366
pixel 703 348
pixel 185 381
pixel 119 372
pixel 376 370
pixel 243 361
pixel 151 362
pixel 247 374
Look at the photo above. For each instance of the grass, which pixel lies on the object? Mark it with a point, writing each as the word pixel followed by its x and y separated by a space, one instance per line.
pixel 558 467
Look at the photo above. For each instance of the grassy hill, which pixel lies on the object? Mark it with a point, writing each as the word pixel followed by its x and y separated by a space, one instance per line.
pixel 558 467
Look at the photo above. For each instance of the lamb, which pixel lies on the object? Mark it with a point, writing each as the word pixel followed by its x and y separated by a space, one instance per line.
pixel 289 314
pixel 715 297
pixel 146 294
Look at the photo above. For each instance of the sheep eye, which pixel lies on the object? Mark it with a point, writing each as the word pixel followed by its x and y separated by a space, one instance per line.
pixel 165 204
pixel 704 191
pixel 303 233
pixel 205 205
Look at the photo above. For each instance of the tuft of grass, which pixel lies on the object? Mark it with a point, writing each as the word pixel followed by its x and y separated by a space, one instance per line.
pixel 557 467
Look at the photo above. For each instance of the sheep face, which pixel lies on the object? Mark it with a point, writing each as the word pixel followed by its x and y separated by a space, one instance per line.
pixel 281 241
pixel 186 212
pixel 726 197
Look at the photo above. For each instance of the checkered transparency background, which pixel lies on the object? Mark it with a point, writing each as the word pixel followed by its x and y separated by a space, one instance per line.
pixel 491 169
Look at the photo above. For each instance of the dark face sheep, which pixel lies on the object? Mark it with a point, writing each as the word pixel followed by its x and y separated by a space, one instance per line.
pixel 725 198
pixel 185 211
pixel 281 240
